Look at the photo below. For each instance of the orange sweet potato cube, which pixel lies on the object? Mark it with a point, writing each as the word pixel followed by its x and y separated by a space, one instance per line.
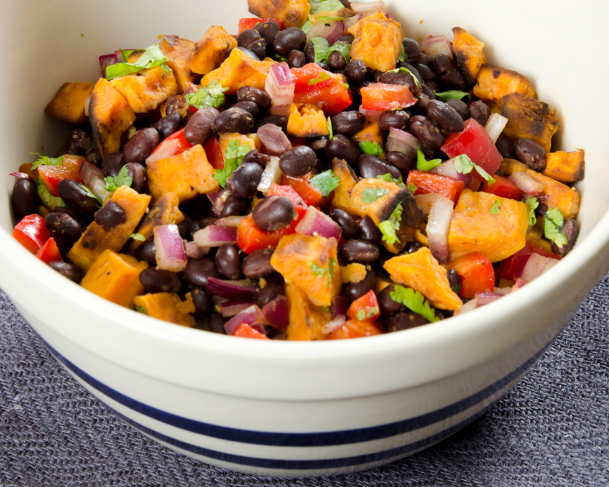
pixel 146 89
pixel 378 42
pixel 168 307
pixel 165 211
pixel 306 319
pixel 179 53
pixel 68 104
pixel 306 121
pixel 210 51
pixel 495 82
pixel 469 54
pixel 567 167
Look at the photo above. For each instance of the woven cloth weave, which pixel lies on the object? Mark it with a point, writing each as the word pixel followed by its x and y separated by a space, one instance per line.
pixel 551 430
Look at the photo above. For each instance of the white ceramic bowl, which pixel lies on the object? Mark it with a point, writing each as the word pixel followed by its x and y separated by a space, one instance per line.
pixel 301 409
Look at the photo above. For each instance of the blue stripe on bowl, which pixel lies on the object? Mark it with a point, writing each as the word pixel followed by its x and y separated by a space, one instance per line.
pixel 299 439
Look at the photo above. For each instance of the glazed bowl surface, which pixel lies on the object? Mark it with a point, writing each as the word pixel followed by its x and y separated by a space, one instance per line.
pixel 302 409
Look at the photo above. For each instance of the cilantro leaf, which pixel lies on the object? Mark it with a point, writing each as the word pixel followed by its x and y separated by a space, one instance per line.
pixel 389 178
pixel 325 6
pixel 553 222
pixel 307 26
pixel 90 193
pixel 423 164
pixel 362 315
pixel 372 148
pixel 138 236
pixel 388 227
pixel 532 205
pixel 150 58
pixel 414 301
pixel 407 71
pixel 456 288
pixel 46 161
pixel 412 188
pixel 464 165
pixel 330 131
pixel 141 309
pixel 46 197
pixel 322 77
pixel 321 49
pixel 211 95
pixel 325 182
pixel 370 195
pixel 496 207
pixel 232 159
pixel 126 53
pixel 322 271
pixel 343 47
pixel 452 95
pixel 121 179
pixel 403 56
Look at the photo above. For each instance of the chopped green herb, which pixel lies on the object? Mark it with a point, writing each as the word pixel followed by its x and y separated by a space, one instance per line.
pixel 141 309
pixel 121 179
pixel 403 56
pixel 389 178
pixel 327 18
pixel 372 148
pixel 150 58
pixel 407 71
pixel 370 195
pixel 469 208
pixel 423 164
pixel 307 26
pixel 389 227
pixel 232 158
pixel 412 188
pixel 126 53
pixel 325 6
pixel 452 95
pixel 464 165
pixel 553 223
pixel 322 77
pixel 46 161
pixel 321 49
pixel 330 131
pixel 211 95
pixel 90 193
pixel 496 207
pixel 138 236
pixel 46 197
pixel 532 205
pixel 362 315
pixel 414 301
pixel 325 182
pixel 344 48
pixel 456 288
pixel 322 271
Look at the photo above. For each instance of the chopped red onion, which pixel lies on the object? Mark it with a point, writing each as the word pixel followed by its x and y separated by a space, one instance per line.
pixel 230 221
pixel 330 30
pixel 471 305
pixel 372 6
pixel 532 266
pixel 94 180
pixel 274 139
pixel 438 226
pixel 371 115
pixel 276 313
pixel 20 175
pixel 401 141
pixel 108 60
pixel 351 21
pixel 217 198
pixel 526 183
pixel 518 284
pixel 426 201
pixel 271 174
pixel 495 125
pixel 251 316
pixel 232 290
pixel 486 298
pixel 280 84
pixel 215 236
pixel 338 29
pixel 169 247
pixel 166 149
pixel 436 46
pixel 231 308
pixel 317 223
pixel 335 324
pixel 193 251
pixel 340 305
pixel 448 169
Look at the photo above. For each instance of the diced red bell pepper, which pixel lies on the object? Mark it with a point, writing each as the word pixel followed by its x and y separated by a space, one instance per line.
pixel 246 331
pixel 175 144
pixel 32 233
pixel 214 153
pixel 288 192
pixel 509 266
pixel 356 329
pixel 474 142
pixel 250 23
pixel 427 182
pixel 250 238
pixel 49 252
pixel 68 169
pixel 365 307
pixel 310 77
pixel 309 193
pixel 477 274
pixel 503 187
pixel 381 96
pixel 332 98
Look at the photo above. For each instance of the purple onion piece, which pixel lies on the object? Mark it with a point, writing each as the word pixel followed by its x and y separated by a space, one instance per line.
pixel 169 248
pixel 215 236
pixel 251 316
pixel 20 175
pixel 318 223
pixel 276 313
pixel 232 308
pixel 486 298
pixel 231 290
pixel 340 305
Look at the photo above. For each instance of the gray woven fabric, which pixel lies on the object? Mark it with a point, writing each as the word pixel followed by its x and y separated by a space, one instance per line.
pixel 551 430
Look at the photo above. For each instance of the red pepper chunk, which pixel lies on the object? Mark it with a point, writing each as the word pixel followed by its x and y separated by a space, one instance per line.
pixel 309 193
pixel 365 307
pixel 175 144
pixel 32 233
pixel 382 96
pixel 250 238
pixel 246 331
pixel 68 169
pixel 49 252
pixel 356 329
pixel 509 266
pixel 332 95
pixel 250 23
pixel 310 77
pixel 427 182
pixel 477 274
pixel 287 192
pixel 214 153
pixel 503 187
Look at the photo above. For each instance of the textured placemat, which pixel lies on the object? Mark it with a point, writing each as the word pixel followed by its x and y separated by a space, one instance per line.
pixel 551 430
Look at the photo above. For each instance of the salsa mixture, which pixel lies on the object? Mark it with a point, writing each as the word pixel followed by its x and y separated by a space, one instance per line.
pixel 318 176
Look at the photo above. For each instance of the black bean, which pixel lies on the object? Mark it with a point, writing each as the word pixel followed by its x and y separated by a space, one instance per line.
pixel 453 80
pixel 112 164
pixel 168 125
pixel 355 71
pixel 369 231
pixel 443 64
pixel 433 87
pixel 75 143
pixel 309 53
pixel 234 205
pixel 348 38
pixel 323 66
pixel 426 131
pixel 204 303
pixel 403 162
pixel 288 40
pixel 274 286
pixel 336 61
pixel 371 167
pixel 530 153
pixel 571 231
pixel 149 253
pixel 346 223
pixel 234 120
pixel 445 116
pixel 141 145
pixel 110 215
pixel 258 47
pixel 256 157
pixel 454 279
pixel 412 247
pixel 319 144
pixel 426 72
pixel 342 148
pixel 70 271
pixel 94 157
pixel 69 212
pixel 248 106
pixel 77 198
pixel 355 290
pixel 359 251
pixel 298 161
pixel 505 147
pixel 402 78
pixel 63 226
pixel 296 59
pixel 412 49
pixel 387 305
pixel 460 107
pixel 479 112
pixel 273 213
pixel 247 37
pixel 268 31
pixel 216 324
pixel 258 264
pixel 198 271
pixel 228 261
pixel 25 198
pixel 348 122
pixel 397 119
pixel 279 120
pixel 199 128
pixel 244 181
pixel 159 281
pixel 404 321
pixel 193 228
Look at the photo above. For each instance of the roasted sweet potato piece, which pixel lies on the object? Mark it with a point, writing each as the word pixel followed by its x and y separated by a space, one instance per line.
pixel 164 212
pixel 168 307
pixel 187 175
pixel 469 54
pixel 495 82
pixel 309 263
pixel 239 70
pixel 370 133
pixel 353 273
pixel 485 223
pixel 68 104
pixel 347 181
pixel 251 139
pixel 422 272
pixel 96 240
pixel 115 277
pixel 528 118
pixel 306 121
pixel 292 12
pixel 378 42
pixel 146 89
pixel 567 167
pixel 306 319
pixel 211 50
pixel 555 194
pixel 110 116
pixel 179 52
